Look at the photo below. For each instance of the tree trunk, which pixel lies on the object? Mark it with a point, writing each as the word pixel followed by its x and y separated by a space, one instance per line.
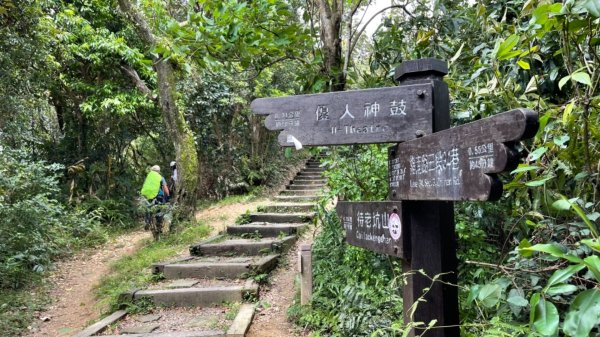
pixel 177 128
pixel 331 23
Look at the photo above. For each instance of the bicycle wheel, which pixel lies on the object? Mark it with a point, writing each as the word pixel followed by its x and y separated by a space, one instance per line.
pixel 157 226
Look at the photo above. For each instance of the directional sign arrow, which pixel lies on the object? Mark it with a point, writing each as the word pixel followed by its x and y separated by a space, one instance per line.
pixel 460 163
pixel 383 115
pixel 375 225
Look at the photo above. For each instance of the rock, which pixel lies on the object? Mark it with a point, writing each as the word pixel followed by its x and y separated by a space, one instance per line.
pixel 148 318
pixel 140 329
pixel 182 283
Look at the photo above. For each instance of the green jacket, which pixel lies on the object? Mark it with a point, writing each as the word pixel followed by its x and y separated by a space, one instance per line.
pixel 151 185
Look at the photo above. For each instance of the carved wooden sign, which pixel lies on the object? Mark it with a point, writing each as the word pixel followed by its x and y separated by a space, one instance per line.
pixel 460 163
pixel 383 115
pixel 376 226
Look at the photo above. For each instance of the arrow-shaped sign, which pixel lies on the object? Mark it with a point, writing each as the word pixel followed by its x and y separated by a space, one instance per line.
pixel 460 163
pixel 384 115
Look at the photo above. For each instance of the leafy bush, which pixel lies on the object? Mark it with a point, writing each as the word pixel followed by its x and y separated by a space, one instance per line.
pixel 35 227
pixel 356 292
pixel 117 213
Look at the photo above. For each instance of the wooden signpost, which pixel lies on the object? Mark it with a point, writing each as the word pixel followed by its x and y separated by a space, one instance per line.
pixel 460 163
pixel 370 116
pixel 375 226
pixel 429 168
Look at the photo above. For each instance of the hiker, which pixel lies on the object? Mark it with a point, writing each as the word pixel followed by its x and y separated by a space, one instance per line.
pixel 155 187
pixel 173 179
pixel 174 168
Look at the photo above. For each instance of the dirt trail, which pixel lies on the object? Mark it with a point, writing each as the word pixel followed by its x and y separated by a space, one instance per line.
pixel 218 217
pixel 73 284
pixel 270 320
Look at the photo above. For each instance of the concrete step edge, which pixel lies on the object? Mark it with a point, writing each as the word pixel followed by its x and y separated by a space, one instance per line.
pixel 249 248
pixel 231 270
pixel 207 333
pixel 198 297
pixel 241 322
pixel 102 324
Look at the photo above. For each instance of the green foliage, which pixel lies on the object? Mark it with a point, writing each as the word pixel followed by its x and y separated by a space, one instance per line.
pixel 141 306
pixel 526 259
pixel 243 218
pixel 357 173
pixel 18 308
pixel 36 227
pixel 355 292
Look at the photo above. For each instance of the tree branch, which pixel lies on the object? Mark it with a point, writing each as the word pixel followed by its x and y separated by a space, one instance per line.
pixel 351 48
pixel 139 21
pixel 350 34
pixel 139 83
pixel 507 269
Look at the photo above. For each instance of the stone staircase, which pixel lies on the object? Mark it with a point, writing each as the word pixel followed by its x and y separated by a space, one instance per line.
pixel 222 269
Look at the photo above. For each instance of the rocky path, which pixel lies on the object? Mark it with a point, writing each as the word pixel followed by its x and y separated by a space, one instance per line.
pixel 213 290
pixel 271 316
pixel 73 285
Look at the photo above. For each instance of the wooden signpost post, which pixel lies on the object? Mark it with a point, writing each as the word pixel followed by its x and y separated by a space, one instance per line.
pixel 429 168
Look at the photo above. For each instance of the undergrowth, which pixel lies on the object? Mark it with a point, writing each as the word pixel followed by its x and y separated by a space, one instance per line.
pixel 355 291
pixel 18 308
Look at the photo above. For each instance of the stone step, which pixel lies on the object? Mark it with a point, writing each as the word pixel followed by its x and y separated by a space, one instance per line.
pixel 235 247
pixel 309 180
pixel 197 296
pixel 218 267
pixel 265 229
pixel 287 198
pixel 307 187
pixel 288 208
pixel 310 174
pixel 300 192
pixel 281 217
pixel 313 169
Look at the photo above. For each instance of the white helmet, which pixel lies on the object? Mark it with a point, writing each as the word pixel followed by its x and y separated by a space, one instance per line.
pixel 172 164
pixel 155 168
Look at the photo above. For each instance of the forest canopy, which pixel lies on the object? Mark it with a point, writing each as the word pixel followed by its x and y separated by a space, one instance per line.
pixel 95 92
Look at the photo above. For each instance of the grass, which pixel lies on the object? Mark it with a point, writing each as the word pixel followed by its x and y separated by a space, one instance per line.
pixel 233 309
pixel 133 271
pixel 18 308
pixel 232 199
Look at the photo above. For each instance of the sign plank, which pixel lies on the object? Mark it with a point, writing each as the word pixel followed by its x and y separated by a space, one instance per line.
pixel 376 226
pixel 383 115
pixel 460 163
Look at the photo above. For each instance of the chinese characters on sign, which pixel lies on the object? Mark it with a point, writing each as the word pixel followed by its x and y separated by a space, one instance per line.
pixel 369 116
pixel 459 163
pixel 287 119
pixel 371 110
pixel 481 157
pixel 373 225
pixel 446 174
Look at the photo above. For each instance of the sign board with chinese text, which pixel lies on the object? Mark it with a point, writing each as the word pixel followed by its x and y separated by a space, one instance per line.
pixel 460 163
pixel 376 226
pixel 383 115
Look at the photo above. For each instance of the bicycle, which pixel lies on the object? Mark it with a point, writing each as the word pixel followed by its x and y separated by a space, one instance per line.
pixel 154 214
